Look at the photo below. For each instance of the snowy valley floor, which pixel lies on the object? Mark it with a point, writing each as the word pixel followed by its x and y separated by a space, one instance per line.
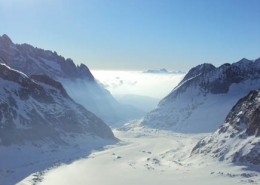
pixel 146 156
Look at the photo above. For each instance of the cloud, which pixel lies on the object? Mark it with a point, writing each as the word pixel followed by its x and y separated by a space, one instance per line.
pixel 137 82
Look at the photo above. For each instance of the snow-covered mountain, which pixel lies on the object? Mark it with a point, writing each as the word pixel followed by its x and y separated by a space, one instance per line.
pixel 41 125
pixel 37 108
pixel 204 97
pixel 77 80
pixel 238 139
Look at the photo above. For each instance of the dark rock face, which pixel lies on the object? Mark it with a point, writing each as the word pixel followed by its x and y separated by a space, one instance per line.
pixel 246 112
pixel 31 60
pixel 254 123
pixel 238 139
pixel 47 80
pixel 29 88
pixel 38 108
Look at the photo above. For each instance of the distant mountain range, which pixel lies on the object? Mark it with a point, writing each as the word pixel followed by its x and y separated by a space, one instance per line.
pixel 77 79
pixel 204 97
pixel 163 71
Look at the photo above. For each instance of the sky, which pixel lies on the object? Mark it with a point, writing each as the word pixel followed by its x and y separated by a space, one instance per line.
pixel 137 34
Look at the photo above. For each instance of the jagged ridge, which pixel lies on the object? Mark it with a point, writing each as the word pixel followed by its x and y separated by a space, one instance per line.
pixel 32 60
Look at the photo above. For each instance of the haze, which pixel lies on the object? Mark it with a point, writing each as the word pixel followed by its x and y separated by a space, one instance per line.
pixel 137 82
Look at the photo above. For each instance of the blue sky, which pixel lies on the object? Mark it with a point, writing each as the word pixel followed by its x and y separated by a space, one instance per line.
pixel 137 34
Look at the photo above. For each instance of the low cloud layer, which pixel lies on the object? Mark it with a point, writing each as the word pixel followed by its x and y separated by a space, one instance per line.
pixel 138 83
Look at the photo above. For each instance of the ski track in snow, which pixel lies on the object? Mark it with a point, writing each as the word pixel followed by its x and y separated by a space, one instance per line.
pixel 146 156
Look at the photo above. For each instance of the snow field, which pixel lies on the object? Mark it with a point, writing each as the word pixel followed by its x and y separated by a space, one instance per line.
pixel 146 156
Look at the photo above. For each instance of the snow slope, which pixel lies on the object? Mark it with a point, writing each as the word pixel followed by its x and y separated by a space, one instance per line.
pixel 39 121
pixel 204 97
pixel 238 139
pixel 77 79
pixel 146 156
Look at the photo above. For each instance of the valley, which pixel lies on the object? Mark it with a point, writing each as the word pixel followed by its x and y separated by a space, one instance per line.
pixel 146 156
pixel 62 125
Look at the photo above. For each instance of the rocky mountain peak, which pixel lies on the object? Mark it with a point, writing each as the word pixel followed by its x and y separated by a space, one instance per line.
pixel 6 40
pixel 244 61
pixel 257 60
pixel 32 60
pixel 198 70
pixel 218 80
pixel 83 70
